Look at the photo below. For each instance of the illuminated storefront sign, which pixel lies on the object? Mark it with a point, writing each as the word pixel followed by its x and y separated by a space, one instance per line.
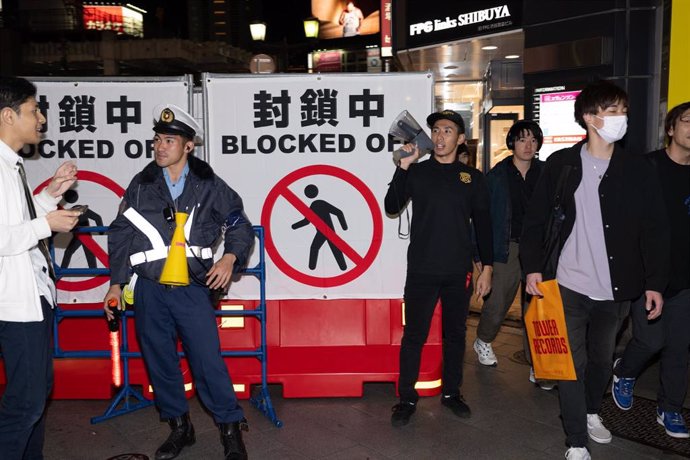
pixel 120 19
pixel 422 23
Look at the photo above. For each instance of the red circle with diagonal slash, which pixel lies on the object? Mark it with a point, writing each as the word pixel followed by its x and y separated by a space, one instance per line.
pixel 86 239
pixel 362 263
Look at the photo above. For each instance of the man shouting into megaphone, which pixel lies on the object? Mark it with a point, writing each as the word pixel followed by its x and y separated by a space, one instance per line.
pixel 171 216
pixel 446 196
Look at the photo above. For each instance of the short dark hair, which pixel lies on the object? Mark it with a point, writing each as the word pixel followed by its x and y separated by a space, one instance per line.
pixel 672 117
pixel 518 130
pixel 14 91
pixel 597 96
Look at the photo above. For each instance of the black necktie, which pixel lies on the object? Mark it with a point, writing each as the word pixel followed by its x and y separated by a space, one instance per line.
pixel 42 244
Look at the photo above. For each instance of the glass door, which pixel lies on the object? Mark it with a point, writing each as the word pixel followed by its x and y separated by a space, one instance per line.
pixel 496 126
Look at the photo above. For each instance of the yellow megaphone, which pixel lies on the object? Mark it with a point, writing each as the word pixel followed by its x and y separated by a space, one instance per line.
pixel 175 271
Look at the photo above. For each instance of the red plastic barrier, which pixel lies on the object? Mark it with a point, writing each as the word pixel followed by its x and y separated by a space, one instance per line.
pixel 316 348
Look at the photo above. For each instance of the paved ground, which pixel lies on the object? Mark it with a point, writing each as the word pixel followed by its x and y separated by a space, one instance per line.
pixel 511 419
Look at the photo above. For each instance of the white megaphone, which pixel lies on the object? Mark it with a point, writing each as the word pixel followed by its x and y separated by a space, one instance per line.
pixel 406 128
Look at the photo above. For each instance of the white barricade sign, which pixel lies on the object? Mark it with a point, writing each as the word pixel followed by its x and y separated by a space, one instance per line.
pixel 311 157
pixel 105 126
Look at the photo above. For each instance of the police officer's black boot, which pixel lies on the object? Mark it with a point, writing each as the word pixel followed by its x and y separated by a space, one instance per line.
pixel 231 438
pixel 182 435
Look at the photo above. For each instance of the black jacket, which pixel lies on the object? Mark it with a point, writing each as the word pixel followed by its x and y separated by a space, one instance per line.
pixel 217 206
pixel 444 199
pixel 633 214
pixel 675 190
pixel 502 204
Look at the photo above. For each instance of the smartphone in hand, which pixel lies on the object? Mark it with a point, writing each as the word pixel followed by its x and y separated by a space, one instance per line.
pixel 80 207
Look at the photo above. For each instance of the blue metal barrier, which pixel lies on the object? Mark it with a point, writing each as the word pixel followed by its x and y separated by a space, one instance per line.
pixel 261 398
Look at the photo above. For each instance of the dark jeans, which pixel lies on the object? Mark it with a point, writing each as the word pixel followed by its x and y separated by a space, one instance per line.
pixel 163 315
pixel 27 353
pixel 422 291
pixel 592 327
pixel 668 334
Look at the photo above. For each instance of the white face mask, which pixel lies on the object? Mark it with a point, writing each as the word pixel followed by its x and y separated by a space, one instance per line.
pixel 614 127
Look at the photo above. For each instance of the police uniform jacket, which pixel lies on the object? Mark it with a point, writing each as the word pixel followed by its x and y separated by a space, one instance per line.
pixel 215 207
pixel 633 215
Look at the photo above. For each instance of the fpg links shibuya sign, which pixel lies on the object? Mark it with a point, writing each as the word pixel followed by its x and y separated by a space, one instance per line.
pixel 452 21
pixel 487 15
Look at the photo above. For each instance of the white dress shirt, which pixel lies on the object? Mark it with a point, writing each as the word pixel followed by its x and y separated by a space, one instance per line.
pixel 23 269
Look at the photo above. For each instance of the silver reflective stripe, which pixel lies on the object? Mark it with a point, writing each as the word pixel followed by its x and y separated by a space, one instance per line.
pixel 201 253
pixel 145 227
pixel 162 253
pixel 148 256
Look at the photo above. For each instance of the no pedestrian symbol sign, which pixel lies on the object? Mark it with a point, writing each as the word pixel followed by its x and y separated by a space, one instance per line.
pixel 86 239
pixel 320 217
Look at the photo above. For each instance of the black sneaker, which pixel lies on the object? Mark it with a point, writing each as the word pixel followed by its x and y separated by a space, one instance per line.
pixel 402 413
pixel 457 405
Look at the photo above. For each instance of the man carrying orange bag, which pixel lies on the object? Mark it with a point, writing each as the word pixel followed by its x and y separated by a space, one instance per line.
pixel 548 335
pixel 612 246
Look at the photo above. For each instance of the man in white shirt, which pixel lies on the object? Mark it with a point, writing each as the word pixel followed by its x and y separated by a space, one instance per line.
pixel 26 273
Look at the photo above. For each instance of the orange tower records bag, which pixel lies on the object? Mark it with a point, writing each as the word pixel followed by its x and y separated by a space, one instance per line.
pixel 552 358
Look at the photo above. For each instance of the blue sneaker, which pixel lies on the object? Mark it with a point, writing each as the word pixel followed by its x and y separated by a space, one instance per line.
pixel 673 422
pixel 622 390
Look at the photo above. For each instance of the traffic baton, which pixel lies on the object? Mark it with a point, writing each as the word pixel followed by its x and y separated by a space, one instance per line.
pixel 114 326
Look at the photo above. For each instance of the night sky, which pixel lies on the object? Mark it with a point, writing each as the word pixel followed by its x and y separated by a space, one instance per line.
pixel 285 20
pixel 283 17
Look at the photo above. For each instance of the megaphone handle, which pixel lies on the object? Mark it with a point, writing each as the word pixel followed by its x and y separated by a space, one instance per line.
pixel 400 154
pixel 405 153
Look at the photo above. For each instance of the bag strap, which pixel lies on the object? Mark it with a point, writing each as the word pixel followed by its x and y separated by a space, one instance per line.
pixel 560 185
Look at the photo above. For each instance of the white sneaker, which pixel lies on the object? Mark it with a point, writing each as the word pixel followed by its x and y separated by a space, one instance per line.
pixel 485 352
pixel 578 453
pixel 547 385
pixel 597 432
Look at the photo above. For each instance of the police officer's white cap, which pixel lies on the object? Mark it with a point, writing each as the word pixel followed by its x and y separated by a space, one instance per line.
pixel 171 119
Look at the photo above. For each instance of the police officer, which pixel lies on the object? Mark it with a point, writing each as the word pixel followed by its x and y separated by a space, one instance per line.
pixel 139 238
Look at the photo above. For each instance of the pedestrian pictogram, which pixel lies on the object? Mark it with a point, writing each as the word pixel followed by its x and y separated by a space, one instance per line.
pixel 323 210
pixel 319 214
pixel 77 241
pixel 86 240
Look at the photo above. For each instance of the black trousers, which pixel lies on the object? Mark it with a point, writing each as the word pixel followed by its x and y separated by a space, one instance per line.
pixel 669 335
pixel 162 316
pixel 27 352
pixel 422 292
pixel 592 327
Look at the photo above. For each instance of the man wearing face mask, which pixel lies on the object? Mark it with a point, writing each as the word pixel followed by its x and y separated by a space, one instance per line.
pixel 614 248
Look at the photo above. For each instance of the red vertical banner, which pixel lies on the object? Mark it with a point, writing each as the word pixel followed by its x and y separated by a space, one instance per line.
pixel 386 28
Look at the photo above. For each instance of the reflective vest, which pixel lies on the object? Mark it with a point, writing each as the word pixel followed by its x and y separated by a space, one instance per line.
pixel 159 250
